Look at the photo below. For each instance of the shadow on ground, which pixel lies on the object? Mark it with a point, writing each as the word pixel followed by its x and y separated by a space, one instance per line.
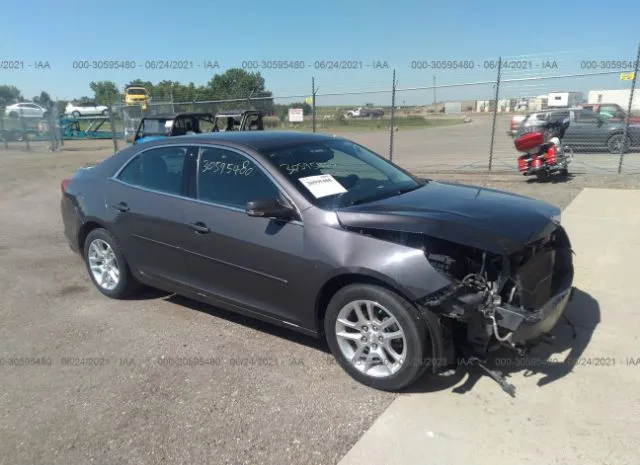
pixel 552 179
pixel 572 333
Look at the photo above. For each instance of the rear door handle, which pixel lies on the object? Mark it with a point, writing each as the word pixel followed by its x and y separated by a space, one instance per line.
pixel 122 206
pixel 199 227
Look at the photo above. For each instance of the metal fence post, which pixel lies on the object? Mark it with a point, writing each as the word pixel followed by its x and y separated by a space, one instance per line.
pixel 495 113
pixel 51 129
pixel 2 133
pixel 393 115
pixel 23 124
pixel 313 104
pixel 113 124
pixel 623 145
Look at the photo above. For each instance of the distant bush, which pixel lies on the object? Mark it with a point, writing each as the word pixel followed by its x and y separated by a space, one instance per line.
pixel 271 122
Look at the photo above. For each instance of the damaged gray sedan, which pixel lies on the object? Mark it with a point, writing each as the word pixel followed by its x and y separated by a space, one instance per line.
pixel 400 275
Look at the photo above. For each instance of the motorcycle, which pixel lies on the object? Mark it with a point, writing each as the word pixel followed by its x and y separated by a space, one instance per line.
pixel 543 152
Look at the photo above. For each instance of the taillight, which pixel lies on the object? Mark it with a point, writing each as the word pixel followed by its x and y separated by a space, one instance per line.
pixel 64 184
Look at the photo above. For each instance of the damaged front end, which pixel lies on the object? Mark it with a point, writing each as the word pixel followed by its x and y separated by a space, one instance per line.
pixel 511 299
pixel 496 300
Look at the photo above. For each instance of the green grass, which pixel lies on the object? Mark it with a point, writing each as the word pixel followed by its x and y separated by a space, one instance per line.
pixel 369 125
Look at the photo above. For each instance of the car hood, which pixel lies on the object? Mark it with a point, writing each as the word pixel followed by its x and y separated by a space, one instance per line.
pixel 487 219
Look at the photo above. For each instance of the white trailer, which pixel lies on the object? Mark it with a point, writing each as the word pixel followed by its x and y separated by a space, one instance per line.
pixel 564 99
pixel 617 96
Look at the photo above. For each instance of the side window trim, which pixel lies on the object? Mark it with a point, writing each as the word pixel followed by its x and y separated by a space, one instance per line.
pixel 196 178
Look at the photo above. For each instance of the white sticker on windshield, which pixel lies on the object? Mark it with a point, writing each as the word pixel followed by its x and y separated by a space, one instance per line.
pixel 322 185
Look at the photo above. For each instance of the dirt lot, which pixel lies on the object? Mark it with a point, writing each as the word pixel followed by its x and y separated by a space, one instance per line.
pixel 84 379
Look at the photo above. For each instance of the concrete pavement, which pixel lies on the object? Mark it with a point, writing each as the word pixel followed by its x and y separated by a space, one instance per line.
pixel 586 414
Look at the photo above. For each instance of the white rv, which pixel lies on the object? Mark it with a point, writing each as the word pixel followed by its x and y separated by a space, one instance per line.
pixel 564 99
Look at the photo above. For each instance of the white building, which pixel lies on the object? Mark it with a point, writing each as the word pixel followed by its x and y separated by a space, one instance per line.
pixel 619 96
pixel 564 99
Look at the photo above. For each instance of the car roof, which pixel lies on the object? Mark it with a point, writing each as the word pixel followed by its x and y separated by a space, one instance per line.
pixel 260 141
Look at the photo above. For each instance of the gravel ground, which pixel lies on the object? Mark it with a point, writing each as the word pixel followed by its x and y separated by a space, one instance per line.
pixel 253 394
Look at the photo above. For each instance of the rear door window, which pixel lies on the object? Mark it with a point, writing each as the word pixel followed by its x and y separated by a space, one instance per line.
pixel 160 169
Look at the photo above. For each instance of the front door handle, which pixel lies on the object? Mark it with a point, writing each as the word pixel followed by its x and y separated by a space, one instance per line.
pixel 199 227
pixel 122 207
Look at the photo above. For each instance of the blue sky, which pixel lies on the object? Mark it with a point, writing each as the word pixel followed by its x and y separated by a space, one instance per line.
pixel 568 33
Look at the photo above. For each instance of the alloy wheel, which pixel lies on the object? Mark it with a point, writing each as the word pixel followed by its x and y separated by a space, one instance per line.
pixel 370 338
pixel 103 265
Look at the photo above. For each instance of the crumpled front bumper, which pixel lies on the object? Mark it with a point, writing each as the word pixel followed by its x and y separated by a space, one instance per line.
pixel 527 326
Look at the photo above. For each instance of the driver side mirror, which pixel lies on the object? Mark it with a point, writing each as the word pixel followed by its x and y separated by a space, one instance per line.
pixel 270 208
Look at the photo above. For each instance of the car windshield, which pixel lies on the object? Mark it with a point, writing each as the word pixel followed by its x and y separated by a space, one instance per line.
pixel 339 173
pixel 136 92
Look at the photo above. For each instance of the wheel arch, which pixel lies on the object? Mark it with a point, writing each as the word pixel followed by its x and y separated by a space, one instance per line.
pixel 346 278
pixel 439 355
pixel 89 225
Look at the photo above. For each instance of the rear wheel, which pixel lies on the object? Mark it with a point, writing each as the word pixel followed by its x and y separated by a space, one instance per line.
pixel 615 144
pixel 106 265
pixel 377 336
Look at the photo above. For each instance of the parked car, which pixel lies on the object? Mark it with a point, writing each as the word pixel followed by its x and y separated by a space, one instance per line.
pixel 79 109
pixel 365 112
pixel 318 234
pixel 588 130
pixel 136 95
pixel 26 109
pixel 539 119
pixel 514 123
pixel 610 111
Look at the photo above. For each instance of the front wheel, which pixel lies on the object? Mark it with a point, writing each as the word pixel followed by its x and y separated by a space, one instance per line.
pixel 615 145
pixel 106 265
pixel 377 336
pixel 105 112
pixel 76 114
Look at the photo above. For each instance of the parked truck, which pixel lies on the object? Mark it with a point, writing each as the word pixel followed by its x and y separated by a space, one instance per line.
pixel 365 112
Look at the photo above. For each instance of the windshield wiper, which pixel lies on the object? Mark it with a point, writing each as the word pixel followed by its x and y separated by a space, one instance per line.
pixel 384 195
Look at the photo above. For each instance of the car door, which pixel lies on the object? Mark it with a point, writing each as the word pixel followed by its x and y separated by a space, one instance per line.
pixel 585 130
pixel 255 263
pixel 148 200
pixel 29 110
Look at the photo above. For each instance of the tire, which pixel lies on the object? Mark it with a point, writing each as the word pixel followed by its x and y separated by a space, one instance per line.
pixel 614 144
pixel 415 346
pixel 13 114
pixel 126 283
pixel 75 114
pixel 105 112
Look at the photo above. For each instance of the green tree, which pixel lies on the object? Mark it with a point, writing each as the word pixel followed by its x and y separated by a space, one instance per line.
pixel 10 95
pixel 105 92
pixel 237 83
pixel 44 100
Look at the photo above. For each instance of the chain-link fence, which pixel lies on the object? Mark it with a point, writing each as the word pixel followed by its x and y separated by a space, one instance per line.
pixel 453 122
